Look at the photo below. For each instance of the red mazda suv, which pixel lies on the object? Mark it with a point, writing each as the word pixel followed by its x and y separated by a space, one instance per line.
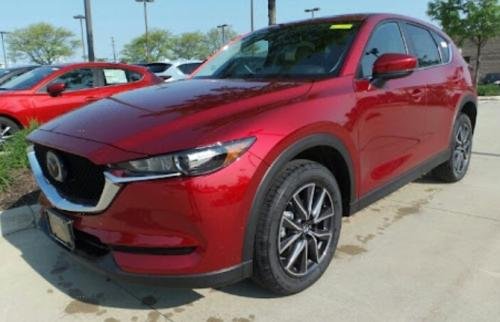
pixel 246 169
pixel 46 92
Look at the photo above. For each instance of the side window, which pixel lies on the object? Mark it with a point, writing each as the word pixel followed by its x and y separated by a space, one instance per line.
pixel 117 76
pixel 424 46
pixel 384 40
pixel 133 76
pixel 444 48
pixel 188 68
pixel 77 79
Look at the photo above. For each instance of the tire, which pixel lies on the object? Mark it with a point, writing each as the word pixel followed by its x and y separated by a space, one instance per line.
pixel 279 218
pixel 457 165
pixel 7 128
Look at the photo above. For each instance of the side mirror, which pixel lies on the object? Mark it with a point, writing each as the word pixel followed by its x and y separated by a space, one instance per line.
pixel 56 89
pixel 390 66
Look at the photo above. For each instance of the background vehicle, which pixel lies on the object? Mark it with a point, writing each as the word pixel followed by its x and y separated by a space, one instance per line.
pixel 173 71
pixel 49 91
pixel 11 73
pixel 491 78
pixel 247 168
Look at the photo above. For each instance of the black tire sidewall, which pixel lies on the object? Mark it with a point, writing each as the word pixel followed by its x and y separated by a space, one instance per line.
pixel 314 173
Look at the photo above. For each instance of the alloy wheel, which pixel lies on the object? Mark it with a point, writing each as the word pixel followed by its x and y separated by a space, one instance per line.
pixel 5 132
pixel 462 151
pixel 306 229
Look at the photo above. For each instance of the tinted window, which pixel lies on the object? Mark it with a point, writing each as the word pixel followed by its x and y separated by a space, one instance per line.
pixel 424 46
pixel 188 68
pixel 29 79
pixel 77 79
pixel 294 51
pixel 158 67
pixel 133 76
pixel 444 48
pixel 384 40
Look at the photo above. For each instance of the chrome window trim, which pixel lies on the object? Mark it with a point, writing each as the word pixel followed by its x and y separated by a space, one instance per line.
pixel 108 194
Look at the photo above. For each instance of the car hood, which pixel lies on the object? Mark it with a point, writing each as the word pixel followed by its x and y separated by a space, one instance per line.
pixel 174 116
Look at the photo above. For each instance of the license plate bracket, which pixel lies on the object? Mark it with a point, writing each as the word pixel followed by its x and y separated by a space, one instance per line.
pixel 61 229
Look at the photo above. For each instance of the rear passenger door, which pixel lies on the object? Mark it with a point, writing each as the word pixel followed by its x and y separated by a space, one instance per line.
pixel 434 55
pixel 392 118
pixel 113 80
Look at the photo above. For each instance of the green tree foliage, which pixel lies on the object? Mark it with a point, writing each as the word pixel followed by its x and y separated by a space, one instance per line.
pixel 160 43
pixel 214 38
pixel 191 45
pixel 477 21
pixel 41 43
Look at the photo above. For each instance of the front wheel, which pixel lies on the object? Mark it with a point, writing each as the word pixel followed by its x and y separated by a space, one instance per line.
pixel 298 229
pixel 7 129
pixel 456 167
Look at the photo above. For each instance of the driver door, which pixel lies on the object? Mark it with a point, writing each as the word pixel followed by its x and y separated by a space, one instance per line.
pixel 80 87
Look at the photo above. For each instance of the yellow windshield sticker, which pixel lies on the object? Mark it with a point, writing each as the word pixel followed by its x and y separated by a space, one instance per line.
pixel 341 26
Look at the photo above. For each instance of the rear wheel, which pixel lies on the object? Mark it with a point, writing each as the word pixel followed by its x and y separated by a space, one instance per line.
pixel 7 129
pixel 298 228
pixel 456 167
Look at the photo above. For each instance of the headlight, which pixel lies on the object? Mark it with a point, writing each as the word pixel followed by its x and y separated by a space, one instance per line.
pixel 188 163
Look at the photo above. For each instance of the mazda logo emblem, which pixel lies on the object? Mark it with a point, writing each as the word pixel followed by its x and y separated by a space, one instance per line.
pixel 55 167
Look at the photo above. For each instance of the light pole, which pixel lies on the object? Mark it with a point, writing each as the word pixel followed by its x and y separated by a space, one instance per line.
pixel 251 16
pixel 81 18
pixel 223 28
pixel 312 11
pixel 90 33
pixel 145 2
pixel 2 34
pixel 114 49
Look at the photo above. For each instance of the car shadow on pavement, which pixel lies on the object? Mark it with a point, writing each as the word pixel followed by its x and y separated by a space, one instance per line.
pixel 89 291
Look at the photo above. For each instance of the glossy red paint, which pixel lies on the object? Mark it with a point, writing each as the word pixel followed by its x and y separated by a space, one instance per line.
pixel 47 100
pixel 390 64
pixel 386 129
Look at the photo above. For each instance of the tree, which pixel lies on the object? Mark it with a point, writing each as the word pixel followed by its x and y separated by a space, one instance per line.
pixel 41 43
pixel 271 7
pixel 214 38
pixel 191 45
pixel 477 21
pixel 160 43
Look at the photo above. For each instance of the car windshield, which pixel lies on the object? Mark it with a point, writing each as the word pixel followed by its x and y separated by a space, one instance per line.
pixel 297 51
pixel 29 79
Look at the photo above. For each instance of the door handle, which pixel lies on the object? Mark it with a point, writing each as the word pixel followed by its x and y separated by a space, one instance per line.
pixel 417 94
pixel 91 98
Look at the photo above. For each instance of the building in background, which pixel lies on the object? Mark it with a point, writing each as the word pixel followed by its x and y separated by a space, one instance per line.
pixel 490 58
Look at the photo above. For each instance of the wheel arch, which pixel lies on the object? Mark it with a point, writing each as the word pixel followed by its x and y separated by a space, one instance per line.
pixel 12 118
pixel 468 105
pixel 319 148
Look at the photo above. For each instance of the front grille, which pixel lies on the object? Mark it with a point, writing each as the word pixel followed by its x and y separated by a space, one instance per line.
pixel 84 181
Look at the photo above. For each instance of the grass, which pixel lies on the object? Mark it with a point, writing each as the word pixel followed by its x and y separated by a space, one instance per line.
pixel 13 157
pixel 488 90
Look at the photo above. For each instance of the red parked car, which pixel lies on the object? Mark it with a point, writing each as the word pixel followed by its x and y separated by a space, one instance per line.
pixel 247 168
pixel 49 91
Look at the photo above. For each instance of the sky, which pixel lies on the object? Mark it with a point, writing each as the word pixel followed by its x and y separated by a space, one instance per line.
pixel 124 20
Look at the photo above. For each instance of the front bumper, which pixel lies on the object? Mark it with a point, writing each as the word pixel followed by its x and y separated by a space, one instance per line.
pixel 107 265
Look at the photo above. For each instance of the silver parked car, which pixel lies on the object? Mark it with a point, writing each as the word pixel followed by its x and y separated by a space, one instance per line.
pixel 174 70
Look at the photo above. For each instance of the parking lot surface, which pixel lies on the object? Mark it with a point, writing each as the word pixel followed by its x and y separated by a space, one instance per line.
pixel 428 252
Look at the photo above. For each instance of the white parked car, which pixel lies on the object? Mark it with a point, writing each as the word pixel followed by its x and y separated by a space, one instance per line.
pixel 174 70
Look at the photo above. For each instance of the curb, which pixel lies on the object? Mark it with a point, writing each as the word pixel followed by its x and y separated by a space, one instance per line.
pixel 489 98
pixel 18 219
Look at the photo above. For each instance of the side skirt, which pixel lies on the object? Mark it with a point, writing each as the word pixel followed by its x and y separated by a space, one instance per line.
pixel 399 182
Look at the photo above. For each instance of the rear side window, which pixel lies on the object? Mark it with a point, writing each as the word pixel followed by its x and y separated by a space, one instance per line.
pixel 158 67
pixel 385 39
pixel 424 46
pixel 116 76
pixel 188 68
pixel 444 48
